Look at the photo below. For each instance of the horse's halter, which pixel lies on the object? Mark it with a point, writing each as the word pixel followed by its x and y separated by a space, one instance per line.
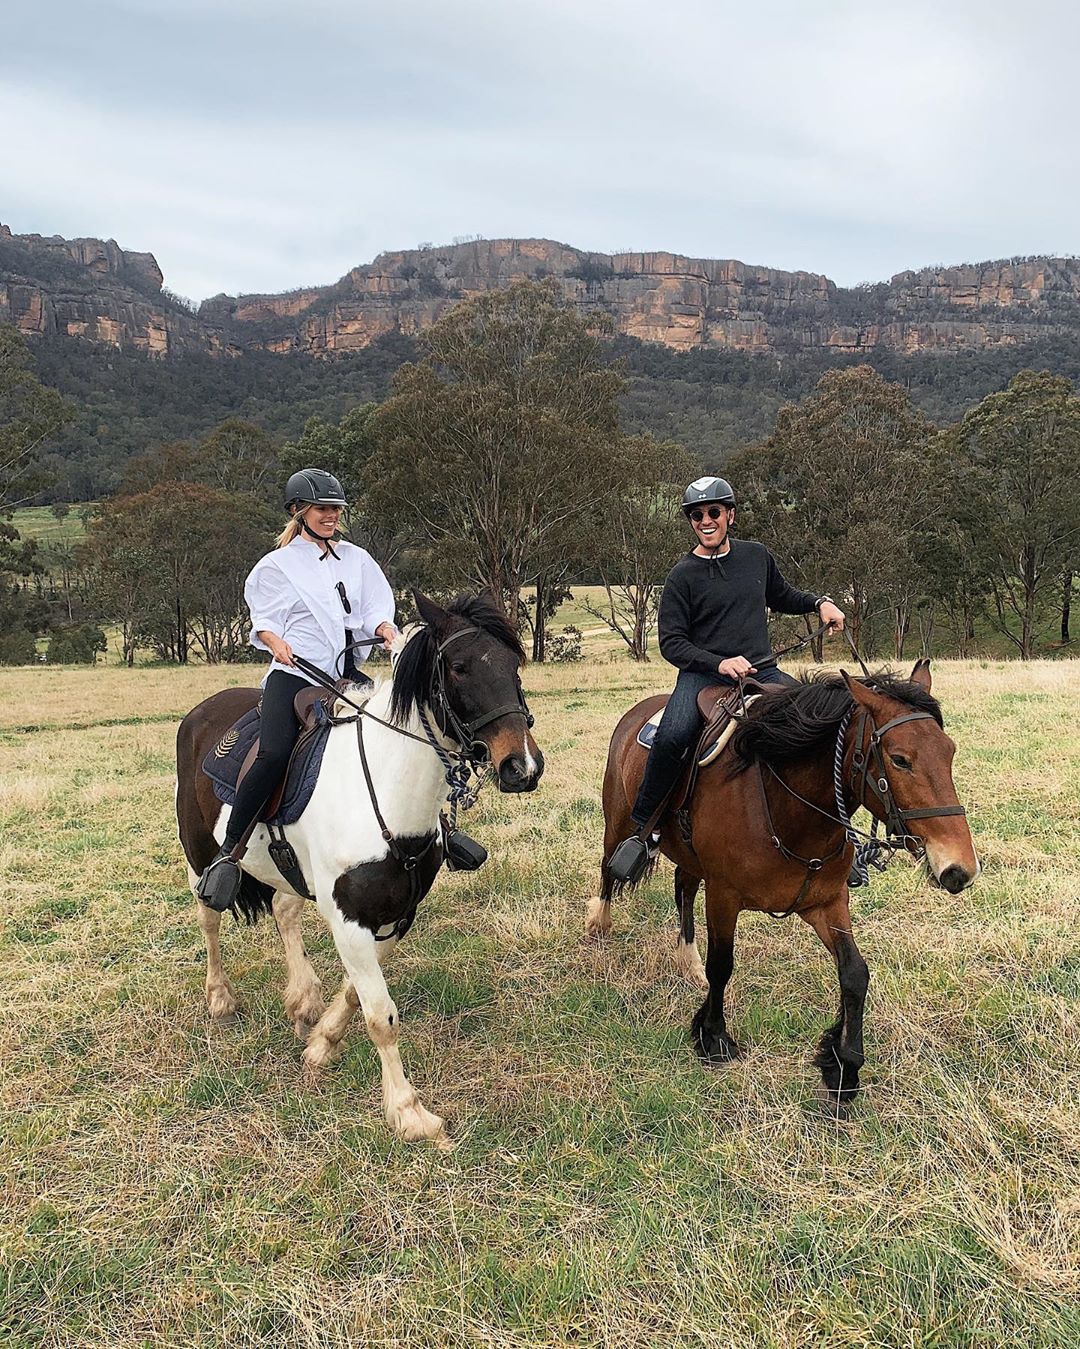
pixel 465 732
pixel 869 775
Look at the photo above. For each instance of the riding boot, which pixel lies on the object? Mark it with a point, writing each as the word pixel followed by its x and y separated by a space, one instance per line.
pixel 462 852
pixel 219 885
pixel 632 858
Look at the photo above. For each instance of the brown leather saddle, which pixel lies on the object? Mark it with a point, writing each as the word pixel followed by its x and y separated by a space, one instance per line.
pixel 722 708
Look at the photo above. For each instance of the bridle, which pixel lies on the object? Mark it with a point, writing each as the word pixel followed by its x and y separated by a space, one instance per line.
pixel 465 732
pixel 868 775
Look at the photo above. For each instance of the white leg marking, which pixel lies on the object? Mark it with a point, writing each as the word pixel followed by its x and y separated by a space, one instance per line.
pixel 324 1041
pixel 220 999
pixel 688 959
pixel 405 1113
pixel 304 1004
pixel 598 918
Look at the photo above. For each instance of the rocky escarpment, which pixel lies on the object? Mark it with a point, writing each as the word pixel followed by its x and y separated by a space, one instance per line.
pixel 93 289
pixel 97 290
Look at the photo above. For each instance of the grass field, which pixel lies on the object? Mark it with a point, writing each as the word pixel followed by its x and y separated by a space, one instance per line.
pixel 38 522
pixel 166 1182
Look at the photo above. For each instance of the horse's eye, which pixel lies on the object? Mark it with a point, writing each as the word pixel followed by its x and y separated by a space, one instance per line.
pixel 458 667
pixel 901 761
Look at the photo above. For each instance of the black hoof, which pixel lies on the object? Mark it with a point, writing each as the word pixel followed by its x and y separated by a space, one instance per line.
pixel 839 1106
pixel 839 1076
pixel 713 1046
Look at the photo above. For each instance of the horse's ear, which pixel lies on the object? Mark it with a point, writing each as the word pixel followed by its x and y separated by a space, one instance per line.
pixel 921 673
pixel 432 614
pixel 858 690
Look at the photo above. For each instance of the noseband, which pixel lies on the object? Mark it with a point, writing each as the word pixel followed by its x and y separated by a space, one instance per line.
pixel 465 732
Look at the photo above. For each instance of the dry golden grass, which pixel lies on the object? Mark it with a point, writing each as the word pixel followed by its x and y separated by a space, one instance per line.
pixel 168 1182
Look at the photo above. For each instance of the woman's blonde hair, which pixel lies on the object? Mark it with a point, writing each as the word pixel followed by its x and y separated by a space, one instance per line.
pixel 291 529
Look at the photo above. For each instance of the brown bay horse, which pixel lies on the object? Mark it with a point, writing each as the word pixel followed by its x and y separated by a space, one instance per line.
pixel 767 832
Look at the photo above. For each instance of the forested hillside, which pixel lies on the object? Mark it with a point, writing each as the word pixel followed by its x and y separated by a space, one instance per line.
pixel 711 401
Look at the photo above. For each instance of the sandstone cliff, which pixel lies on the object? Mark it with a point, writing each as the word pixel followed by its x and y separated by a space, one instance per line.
pixel 96 290
pixel 93 289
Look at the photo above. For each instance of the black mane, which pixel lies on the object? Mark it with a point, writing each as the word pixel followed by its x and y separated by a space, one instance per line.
pixel 415 669
pixel 799 721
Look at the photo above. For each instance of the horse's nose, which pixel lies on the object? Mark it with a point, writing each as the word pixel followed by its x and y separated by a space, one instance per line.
pixel 516 775
pixel 954 878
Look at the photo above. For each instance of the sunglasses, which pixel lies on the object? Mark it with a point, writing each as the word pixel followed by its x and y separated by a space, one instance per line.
pixel 714 513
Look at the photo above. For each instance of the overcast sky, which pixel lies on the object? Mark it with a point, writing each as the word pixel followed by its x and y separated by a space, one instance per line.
pixel 258 145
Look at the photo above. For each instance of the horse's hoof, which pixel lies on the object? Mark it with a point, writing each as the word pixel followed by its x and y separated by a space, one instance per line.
pixel 222 1005
pixel 597 920
pixel 714 1048
pixel 839 1106
pixel 415 1124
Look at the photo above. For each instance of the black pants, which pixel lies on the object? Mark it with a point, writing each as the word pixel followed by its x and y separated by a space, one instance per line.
pixel 278 732
pixel 678 732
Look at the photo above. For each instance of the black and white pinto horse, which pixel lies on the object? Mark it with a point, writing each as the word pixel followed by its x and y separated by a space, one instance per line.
pixel 460 671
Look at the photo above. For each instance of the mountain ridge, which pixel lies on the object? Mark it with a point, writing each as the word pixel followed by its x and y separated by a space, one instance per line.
pixel 95 290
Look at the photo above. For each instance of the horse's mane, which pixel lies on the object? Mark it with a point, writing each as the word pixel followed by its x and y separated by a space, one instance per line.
pixel 414 671
pixel 798 721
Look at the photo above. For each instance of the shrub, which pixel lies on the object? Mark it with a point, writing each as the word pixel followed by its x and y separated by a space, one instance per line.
pixel 565 647
pixel 76 645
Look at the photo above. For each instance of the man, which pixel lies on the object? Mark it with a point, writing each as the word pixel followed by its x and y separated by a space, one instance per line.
pixel 713 628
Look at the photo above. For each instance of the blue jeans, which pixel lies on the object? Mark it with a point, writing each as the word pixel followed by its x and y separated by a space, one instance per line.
pixel 678 733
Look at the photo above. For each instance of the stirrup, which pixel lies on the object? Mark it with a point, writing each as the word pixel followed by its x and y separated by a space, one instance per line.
pixel 219 885
pixel 631 859
pixel 462 852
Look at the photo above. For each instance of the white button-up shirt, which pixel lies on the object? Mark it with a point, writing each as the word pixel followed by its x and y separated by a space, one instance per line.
pixel 293 593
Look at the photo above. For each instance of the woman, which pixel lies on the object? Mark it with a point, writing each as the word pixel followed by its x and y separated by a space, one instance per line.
pixel 302 597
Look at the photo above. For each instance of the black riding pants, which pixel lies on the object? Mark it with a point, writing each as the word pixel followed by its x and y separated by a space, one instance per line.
pixel 278 732
pixel 678 732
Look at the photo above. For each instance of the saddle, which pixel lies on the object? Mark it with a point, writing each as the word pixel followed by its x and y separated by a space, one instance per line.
pixel 722 709
pixel 229 761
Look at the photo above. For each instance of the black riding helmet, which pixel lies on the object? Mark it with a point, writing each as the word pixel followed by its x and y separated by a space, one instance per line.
pixel 705 492
pixel 313 487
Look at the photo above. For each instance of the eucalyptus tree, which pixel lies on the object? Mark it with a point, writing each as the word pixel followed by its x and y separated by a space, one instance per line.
pixel 1016 459
pixel 839 492
pixel 494 444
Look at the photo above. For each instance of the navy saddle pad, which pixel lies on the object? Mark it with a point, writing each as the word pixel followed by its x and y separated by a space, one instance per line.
pixel 222 765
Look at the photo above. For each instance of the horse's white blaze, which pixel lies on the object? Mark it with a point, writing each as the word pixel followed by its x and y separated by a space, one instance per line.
pixel 530 762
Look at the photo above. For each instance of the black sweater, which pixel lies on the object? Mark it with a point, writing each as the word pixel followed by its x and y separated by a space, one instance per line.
pixel 711 609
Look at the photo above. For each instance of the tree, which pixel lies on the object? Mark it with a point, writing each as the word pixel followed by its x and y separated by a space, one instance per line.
pixel 21 615
pixel 1016 455
pixel 494 444
pixel 237 458
pixel 30 415
pixel 838 491
pixel 170 566
pixel 640 533
pixel 78 644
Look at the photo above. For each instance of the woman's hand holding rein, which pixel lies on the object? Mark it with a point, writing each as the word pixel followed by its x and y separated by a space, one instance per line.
pixel 388 633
